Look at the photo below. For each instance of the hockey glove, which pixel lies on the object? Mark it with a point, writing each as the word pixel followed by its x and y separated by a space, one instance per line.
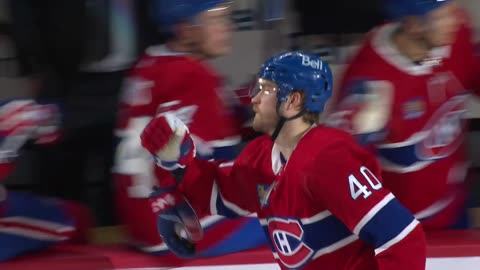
pixel 47 120
pixel 168 139
pixel 23 120
pixel 177 223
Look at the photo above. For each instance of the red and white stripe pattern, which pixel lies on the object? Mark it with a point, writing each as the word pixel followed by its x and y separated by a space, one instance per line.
pixel 24 119
pixel 16 117
pixel 35 228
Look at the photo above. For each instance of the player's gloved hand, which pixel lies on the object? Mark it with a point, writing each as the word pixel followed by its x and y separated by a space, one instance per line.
pixel 177 222
pixel 23 120
pixel 47 121
pixel 168 139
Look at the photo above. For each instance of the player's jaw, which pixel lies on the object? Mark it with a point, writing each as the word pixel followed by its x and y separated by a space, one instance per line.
pixel 265 123
pixel 266 117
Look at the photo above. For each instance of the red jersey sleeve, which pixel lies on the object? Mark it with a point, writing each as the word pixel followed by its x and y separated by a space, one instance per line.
pixel 224 188
pixel 347 182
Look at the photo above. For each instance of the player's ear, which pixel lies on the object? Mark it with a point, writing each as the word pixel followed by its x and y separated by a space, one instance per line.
pixel 413 25
pixel 184 32
pixel 296 100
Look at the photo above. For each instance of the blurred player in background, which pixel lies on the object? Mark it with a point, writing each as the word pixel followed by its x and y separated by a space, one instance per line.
pixel 29 222
pixel 404 95
pixel 302 180
pixel 175 78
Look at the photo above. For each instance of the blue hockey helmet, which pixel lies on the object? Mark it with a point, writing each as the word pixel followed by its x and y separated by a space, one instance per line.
pixel 302 72
pixel 396 9
pixel 167 13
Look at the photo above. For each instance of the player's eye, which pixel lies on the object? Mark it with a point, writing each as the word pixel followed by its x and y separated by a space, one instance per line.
pixel 267 90
pixel 260 87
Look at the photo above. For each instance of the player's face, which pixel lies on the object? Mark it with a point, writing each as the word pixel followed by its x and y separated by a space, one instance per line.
pixel 264 101
pixel 442 25
pixel 214 31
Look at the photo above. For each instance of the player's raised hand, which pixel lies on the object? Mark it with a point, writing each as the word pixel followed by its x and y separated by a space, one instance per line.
pixel 168 139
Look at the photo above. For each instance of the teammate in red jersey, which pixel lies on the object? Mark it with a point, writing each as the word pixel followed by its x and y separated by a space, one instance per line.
pixel 317 193
pixel 29 222
pixel 404 95
pixel 175 78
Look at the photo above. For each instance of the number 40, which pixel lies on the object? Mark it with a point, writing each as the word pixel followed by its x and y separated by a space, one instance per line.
pixel 357 188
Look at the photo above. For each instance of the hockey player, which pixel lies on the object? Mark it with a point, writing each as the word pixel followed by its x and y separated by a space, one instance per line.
pixel 403 96
pixel 29 222
pixel 175 78
pixel 317 193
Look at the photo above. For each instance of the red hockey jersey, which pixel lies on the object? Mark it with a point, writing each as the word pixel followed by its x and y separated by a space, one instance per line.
pixel 324 209
pixel 413 116
pixel 165 81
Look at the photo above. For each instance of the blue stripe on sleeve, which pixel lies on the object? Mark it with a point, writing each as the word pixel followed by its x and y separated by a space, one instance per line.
pixel 387 223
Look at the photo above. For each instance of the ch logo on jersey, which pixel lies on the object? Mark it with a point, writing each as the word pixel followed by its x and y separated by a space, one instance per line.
pixel 443 134
pixel 287 237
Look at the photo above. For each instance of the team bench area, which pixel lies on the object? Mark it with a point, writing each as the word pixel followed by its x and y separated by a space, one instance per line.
pixel 452 250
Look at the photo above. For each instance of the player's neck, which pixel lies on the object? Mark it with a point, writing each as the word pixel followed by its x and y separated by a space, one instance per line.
pixel 413 49
pixel 290 134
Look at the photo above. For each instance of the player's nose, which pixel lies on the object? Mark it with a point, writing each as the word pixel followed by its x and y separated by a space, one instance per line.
pixel 256 99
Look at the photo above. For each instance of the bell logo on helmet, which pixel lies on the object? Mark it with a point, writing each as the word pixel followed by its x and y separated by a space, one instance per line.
pixel 311 63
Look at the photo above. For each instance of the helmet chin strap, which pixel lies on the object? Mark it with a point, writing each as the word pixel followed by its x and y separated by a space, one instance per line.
pixel 282 121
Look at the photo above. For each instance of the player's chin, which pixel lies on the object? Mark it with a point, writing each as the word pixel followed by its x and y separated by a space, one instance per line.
pixel 257 124
pixel 220 50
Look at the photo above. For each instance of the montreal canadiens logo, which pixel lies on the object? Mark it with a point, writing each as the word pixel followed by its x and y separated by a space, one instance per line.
pixel 443 134
pixel 287 237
